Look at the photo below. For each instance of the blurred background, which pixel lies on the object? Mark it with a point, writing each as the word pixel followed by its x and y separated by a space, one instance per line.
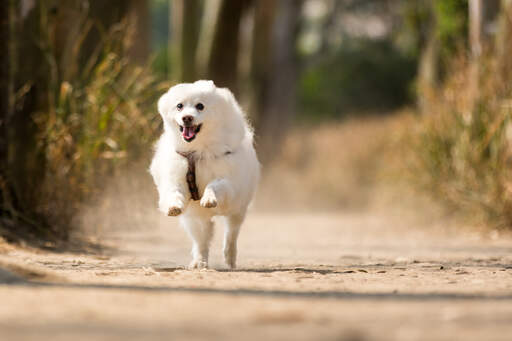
pixel 356 104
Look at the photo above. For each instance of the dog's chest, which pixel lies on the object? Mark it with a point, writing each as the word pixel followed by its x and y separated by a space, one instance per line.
pixel 211 169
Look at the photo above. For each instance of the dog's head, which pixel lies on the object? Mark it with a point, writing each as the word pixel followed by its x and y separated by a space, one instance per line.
pixel 201 115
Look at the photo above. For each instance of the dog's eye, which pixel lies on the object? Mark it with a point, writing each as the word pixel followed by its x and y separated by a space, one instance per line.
pixel 179 106
pixel 200 106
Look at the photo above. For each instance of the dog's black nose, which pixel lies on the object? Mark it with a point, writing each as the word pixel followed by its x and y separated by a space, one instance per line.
pixel 187 120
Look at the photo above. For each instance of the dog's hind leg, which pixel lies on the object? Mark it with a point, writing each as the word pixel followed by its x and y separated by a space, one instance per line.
pixel 233 224
pixel 200 230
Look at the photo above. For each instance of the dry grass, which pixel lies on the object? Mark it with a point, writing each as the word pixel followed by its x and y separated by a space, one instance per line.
pixel 99 120
pixel 462 148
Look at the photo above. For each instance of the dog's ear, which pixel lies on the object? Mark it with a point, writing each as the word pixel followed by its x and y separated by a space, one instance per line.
pixel 163 103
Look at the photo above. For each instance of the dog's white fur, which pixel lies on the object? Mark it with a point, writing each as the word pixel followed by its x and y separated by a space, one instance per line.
pixel 227 168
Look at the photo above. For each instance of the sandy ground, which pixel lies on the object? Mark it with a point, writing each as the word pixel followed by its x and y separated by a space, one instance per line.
pixel 301 276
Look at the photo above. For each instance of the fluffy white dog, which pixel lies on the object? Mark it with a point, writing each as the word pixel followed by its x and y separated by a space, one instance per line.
pixel 205 164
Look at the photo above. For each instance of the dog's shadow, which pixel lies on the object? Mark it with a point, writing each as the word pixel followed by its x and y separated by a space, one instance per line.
pixel 263 270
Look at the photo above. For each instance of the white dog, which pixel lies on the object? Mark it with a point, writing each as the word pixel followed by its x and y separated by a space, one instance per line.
pixel 205 164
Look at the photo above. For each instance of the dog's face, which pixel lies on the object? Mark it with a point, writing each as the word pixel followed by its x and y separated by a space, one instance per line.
pixel 200 113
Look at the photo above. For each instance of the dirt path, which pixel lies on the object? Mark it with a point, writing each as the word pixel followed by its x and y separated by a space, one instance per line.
pixel 301 277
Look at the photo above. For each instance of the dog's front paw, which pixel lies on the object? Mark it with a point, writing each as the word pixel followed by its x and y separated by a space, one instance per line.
pixel 174 211
pixel 209 199
pixel 172 205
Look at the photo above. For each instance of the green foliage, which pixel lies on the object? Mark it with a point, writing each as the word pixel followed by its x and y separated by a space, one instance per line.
pixel 361 75
pixel 446 19
pixel 452 25
pixel 161 60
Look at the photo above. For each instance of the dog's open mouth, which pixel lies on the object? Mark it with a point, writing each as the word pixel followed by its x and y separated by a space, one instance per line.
pixel 189 133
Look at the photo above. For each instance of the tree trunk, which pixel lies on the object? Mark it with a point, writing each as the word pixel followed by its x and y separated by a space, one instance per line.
pixel 174 43
pixel 6 186
pixel 32 75
pixel 504 41
pixel 192 10
pixel 139 17
pixel 261 58
pixel 22 159
pixel 428 66
pixel 186 18
pixel 277 114
pixel 475 28
pixel 4 94
pixel 4 82
pixel 475 44
pixel 223 63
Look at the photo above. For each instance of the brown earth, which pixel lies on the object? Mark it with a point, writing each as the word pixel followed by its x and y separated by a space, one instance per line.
pixel 301 276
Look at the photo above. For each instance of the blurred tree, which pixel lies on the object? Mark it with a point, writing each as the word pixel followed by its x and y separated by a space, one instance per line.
pixel 22 161
pixel 4 105
pixel 104 15
pixel 279 105
pixel 139 18
pixel 504 40
pixel 33 72
pixel 450 27
pixel 428 66
pixel 442 27
pixel 160 37
pixel 4 83
pixel 475 44
pixel 261 57
pixel 186 21
pixel 480 15
pixel 223 62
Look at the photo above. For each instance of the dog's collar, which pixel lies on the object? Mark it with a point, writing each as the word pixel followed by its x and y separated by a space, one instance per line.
pixel 200 157
pixel 191 172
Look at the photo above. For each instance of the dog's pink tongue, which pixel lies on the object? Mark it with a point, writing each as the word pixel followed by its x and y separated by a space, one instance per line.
pixel 188 132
